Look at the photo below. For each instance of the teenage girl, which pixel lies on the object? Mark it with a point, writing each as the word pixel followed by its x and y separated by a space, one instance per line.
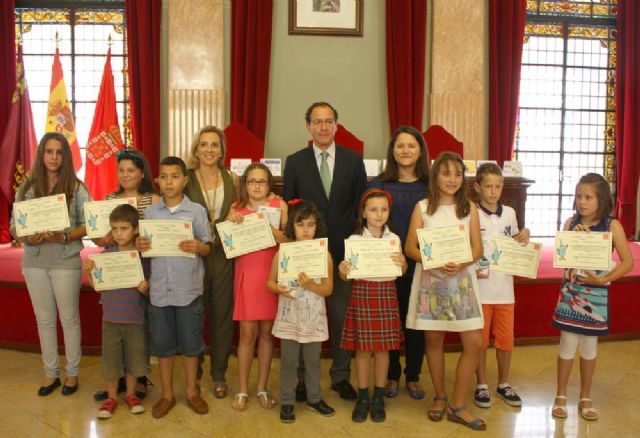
pixel 301 321
pixel 447 298
pixel 582 310
pixel 51 264
pixel 254 305
pixel 372 323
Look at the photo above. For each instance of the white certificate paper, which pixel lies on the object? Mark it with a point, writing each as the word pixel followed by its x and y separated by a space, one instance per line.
pixel 253 234
pixel 514 258
pixel 371 258
pixel 308 256
pixel 48 213
pixel 439 246
pixel 589 250
pixel 165 236
pixel 116 270
pixel 96 214
pixel 273 214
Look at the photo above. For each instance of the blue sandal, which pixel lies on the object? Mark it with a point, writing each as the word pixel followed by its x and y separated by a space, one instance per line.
pixel 475 424
pixel 436 414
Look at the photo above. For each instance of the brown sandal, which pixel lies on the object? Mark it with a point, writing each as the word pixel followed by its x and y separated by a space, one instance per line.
pixel 265 400
pixel 436 414
pixel 220 389
pixel 240 401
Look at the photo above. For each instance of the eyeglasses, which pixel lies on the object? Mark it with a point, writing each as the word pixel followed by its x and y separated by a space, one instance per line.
pixel 326 122
pixel 257 182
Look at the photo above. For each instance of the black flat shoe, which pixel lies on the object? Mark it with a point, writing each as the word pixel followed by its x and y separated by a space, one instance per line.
pixel 286 414
pixel 360 412
pixel 68 390
pixel 322 408
pixel 378 415
pixel 301 392
pixel 145 383
pixel 102 395
pixel 345 389
pixel 46 390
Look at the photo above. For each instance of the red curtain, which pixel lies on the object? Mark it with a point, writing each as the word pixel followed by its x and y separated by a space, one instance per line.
pixel 7 87
pixel 143 44
pixel 406 42
pixel 628 112
pixel 506 32
pixel 251 22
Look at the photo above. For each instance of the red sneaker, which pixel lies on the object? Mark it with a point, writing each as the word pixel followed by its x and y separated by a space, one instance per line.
pixel 134 404
pixel 107 409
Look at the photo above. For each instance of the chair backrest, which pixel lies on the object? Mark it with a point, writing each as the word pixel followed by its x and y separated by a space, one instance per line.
pixel 345 138
pixel 242 143
pixel 439 140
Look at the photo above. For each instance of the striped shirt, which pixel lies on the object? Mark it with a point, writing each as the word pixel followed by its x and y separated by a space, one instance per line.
pixel 143 202
pixel 125 306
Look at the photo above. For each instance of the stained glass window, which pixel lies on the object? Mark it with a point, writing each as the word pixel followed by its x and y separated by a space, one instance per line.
pixel 566 120
pixel 84 33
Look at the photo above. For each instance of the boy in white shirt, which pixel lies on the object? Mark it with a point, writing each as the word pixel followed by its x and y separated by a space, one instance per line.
pixel 496 288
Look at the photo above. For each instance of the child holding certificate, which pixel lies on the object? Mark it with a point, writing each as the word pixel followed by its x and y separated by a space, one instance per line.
pixel 176 312
pixel 254 305
pixel 301 320
pixel 51 264
pixel 581 313
pixel 124 339
pixel 496 288
pixel 372 323
pixel 446 298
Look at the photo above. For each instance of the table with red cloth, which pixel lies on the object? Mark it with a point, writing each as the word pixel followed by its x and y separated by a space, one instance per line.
pixel 535 302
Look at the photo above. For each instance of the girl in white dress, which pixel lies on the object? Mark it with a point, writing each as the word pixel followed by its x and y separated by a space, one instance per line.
pixel 446 298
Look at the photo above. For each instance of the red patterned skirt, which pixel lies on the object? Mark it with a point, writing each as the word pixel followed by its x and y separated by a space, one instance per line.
pixel 373 319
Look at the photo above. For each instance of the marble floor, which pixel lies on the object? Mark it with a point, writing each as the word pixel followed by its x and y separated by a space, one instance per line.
pixel 615 394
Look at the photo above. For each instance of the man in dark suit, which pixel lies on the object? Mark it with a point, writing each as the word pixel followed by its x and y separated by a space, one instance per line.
pixel 334 179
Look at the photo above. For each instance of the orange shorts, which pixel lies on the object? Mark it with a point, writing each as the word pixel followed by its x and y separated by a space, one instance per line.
pixel 498 320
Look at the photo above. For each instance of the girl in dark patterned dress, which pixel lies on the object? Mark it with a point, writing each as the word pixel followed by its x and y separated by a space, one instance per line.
pixel 372 323
pixel 582 311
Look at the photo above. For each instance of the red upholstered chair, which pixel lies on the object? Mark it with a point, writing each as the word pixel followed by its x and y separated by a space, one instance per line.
pixel 439 140
pixel 242 143
pixel 345 138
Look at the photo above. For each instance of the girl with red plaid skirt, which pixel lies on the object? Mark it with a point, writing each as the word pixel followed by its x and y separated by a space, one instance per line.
pixel 372 323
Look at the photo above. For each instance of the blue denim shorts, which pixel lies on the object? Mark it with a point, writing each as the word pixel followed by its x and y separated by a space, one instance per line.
pixel 176 329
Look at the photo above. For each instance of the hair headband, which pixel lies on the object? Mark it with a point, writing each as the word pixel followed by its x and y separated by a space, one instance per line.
pixel 370 192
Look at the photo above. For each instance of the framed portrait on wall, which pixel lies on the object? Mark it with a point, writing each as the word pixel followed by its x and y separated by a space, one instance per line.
pixel 325 17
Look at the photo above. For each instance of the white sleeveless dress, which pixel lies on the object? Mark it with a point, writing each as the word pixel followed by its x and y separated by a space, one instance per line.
pixel 437 301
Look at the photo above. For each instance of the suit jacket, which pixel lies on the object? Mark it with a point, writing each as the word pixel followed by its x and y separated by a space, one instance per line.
pixel 302 180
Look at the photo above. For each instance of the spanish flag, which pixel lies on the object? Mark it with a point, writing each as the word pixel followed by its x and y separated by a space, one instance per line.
pixel 59 116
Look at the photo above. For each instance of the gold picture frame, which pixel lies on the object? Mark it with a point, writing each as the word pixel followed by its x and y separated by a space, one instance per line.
pixel 326 17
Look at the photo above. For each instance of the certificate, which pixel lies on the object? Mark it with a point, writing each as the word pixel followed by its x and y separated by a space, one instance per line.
pixel 439 246
pixel 96 214
pixel 165 236
pixel 49 213
pixel 582 250
pixel 253 234
pixel 308 256
pixel 371 258
pixel 116 270
pixel 512 257
pixel 273 214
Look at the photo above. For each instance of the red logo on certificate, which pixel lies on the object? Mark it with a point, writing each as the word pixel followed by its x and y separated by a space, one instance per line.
pixel 322 243
pixel 60 197
pixel 605 236
pixel 187 226
pixel 461 227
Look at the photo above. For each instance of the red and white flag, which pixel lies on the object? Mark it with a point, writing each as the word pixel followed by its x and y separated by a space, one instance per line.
pixel 104 140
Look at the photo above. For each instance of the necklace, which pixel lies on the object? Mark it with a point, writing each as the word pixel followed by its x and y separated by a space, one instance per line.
pixel 209 200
